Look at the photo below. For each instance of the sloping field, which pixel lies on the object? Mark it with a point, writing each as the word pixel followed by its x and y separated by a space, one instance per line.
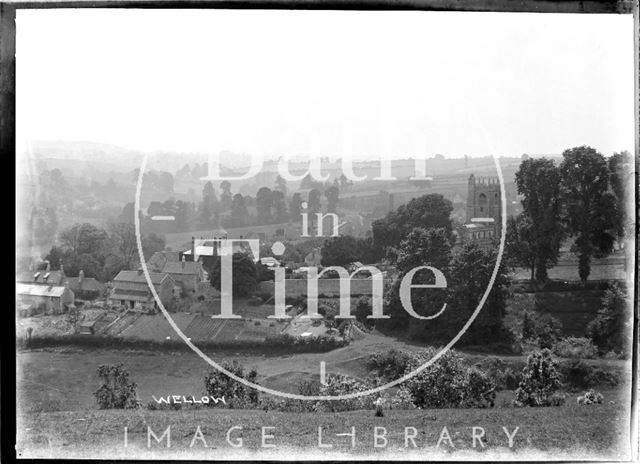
pixel 156 327
pixel 122 323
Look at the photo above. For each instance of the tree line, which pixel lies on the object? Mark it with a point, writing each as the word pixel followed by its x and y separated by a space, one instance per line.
pixel 583 199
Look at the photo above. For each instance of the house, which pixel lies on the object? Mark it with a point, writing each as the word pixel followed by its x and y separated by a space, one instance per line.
pixel 158 260
pixel 186 274
pixel 44 289
pixel 130 289
pixel 85 288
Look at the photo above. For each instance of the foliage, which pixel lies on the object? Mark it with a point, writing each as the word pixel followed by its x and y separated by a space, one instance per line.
pixel 448 382
pixel 611 328
pixel 390 365
pixel 236 394
pixel 575 347
pixel 116 391
pixel 590 209
pixel 363 309
pixel 540 379
pixel 621 180
pixel 243 274
pixel 538 180
pixel 505 377
pixel 590 397
pixel 337 384
pixel 540 328
pixel 339 251
pixel 519 248
pixel 427 211
pixel 579 374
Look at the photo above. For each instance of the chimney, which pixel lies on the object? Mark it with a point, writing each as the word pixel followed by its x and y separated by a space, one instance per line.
pixel 48 266
pixel 183 260
pixel 80 278
pixel 193 248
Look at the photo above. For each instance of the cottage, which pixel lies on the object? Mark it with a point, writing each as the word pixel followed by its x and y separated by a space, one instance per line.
pixel 44 289
pixel 85 288
pixel 186 274
pixel 158 260
pixel 130 289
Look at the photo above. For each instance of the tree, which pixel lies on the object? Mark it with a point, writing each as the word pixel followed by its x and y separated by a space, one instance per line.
pixel 308 182
pixel 116 391
pixel 281 185
pixel 239 212
pixel 84 238
pixel 611 328
pixel 339 251
pixel 263 205
pixel 128 213
pixel 333 196
pixel 540 379
pixel 520 243
pixel 225 196
pixel 314 201
pixel 538 180
pixel 151 244
pixel 468 279
pixel 279 206
pixel 295 207
pixel 621 180
pixel 123 237
pixel 427 211
pixel 422 247
pixel 243 274
pixel 590 210
pixel 55 257
pixel 210 206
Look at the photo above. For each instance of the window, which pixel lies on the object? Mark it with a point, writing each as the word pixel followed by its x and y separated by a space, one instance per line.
pixel 482 201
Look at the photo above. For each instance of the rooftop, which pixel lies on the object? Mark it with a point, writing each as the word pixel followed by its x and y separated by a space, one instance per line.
pixel 138 276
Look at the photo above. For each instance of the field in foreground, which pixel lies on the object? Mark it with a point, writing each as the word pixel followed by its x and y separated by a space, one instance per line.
pixel 569 432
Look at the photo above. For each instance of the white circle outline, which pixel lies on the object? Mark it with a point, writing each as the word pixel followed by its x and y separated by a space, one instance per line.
pixel 346 396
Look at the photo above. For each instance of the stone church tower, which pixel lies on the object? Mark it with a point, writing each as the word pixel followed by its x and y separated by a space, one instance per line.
pixel 483 198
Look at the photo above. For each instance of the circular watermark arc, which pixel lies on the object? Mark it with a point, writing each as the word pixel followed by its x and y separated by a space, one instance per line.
pixel 212 363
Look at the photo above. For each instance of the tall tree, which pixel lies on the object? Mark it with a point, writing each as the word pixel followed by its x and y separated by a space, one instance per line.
pixel 538 180
pixel 225 196
pixel 520 243
pixel 590 209
pixel 295 207
pixel 314 201
pixel 338 251
pixel 281 185
pixel 427 211
pixel 123 237
pixel 243 274
pixel 621 179
pixel 263 205
pixel 279 206
pixel 239 212
pixel 333 196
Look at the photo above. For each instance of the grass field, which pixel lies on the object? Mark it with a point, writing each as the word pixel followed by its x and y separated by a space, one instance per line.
pixel 570 432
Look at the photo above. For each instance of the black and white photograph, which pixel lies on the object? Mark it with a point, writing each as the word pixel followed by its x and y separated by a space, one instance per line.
pixel 324 234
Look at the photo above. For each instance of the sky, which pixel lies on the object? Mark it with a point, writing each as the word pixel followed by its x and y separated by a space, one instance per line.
pixel 331 83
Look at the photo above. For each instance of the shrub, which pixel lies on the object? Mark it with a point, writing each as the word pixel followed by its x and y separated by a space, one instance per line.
pixel 504 377
pixel 448 383
pixel 540 379
pixel 611 328
pixel 590 397
pixel 362 310
pixel 575 347
pixel 390 365
pixel 337 384
pixel 579 374
pixel 236 394
pixel 116 391
pixel 542 328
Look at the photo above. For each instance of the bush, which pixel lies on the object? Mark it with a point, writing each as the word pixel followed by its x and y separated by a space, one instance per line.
pixel 540 379
pixel 504 377
pixel 362 310
pixel 390 365
pixel 448 383
pixel 116 391
pixel 338 384
pixel 236 394
pixel 543 329
pixel 578 374
pixel 575 347
pixel 590 397
pixel 611 328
